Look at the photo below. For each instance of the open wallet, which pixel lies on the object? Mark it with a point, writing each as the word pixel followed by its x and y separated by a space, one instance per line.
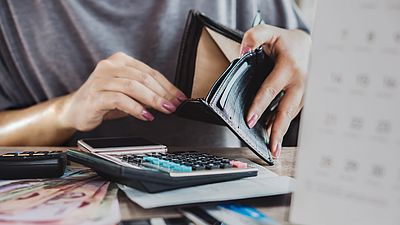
pixel 220 86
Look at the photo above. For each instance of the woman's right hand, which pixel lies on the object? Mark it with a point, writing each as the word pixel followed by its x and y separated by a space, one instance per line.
pixel 119 85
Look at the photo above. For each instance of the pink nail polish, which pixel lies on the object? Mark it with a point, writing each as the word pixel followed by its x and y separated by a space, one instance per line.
pixel 169 106
pixel 252 121
pixel 181 97
pixel 176 102
pixel 245 50
pixel 147 115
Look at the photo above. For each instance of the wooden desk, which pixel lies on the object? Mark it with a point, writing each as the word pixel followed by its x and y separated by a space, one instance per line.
pixel 276 207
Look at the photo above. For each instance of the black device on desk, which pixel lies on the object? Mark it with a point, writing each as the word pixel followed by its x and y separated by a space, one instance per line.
pixel 32 164
pixel 151 168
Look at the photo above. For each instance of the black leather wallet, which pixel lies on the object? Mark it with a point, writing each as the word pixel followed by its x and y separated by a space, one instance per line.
pixel 221 86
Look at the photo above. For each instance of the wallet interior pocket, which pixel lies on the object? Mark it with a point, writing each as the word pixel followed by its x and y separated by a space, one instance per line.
pixel 212 58
pixel 206 50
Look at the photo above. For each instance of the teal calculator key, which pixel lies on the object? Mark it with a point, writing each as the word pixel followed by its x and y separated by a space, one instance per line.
pixel 165 164
pixel 147 158
pixel 150 159
pixel 175 167
pixel 186 168
pixel 172 165
pixel 155 161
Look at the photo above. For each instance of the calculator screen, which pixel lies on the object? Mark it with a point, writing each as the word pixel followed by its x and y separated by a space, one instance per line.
pixel 118 142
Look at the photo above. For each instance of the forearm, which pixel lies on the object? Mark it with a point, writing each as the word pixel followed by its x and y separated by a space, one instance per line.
pixel 41 124
pixel 119 85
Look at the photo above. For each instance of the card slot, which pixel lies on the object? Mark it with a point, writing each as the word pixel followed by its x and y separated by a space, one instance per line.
pixel 236 103
pixel 234 78
pixel 218 84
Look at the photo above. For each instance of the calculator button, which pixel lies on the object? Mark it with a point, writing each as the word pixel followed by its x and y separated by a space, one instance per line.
pixel 211 166
pixel 238 164
pixel 198 167
pixel 225 165
pixel 151 160
pixel 132 159
pixel 188 164
pixel 225 160
pixel 176 161
pixel 185 169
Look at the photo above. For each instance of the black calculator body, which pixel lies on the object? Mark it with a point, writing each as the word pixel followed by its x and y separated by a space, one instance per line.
pixel 161 171
pixel 32 164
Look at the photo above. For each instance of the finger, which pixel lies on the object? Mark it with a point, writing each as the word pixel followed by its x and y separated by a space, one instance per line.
pixel 165 83
pixel 148 81
pixel 111 101
pixel 273 84
pixel 137 91
pixel 168 85
pixel 259 35
pixel 114 114
pixel 268 125
pixel 288 108
pixel 129 61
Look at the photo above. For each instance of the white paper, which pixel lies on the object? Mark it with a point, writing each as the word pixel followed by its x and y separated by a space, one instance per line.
pixel 348 169
pixel 266 183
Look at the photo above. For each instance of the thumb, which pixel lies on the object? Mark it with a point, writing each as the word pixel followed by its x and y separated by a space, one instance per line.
pixel 244 49
pixel 257 36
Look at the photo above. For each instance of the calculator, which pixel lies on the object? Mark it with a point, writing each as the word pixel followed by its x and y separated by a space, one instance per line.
pixel 32 164
pixel 161 170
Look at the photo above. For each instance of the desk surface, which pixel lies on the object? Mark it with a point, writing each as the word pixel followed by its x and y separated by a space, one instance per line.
pixel 276 207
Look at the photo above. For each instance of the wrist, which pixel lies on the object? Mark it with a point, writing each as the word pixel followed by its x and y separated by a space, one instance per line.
pixel 63 113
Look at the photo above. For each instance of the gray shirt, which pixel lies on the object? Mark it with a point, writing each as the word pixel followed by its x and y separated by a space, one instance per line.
pixel 49 48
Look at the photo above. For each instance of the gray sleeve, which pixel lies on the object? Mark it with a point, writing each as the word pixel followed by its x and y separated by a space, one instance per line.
pixel 283 13
pixel 301 23
pixel 5 102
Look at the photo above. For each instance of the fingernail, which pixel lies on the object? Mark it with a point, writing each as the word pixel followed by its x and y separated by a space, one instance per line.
pixel 278 150
pixel 252 121
pixel 169 106
pixel 181 97
pixel 176 102
pixel 245 50
pixel 147 115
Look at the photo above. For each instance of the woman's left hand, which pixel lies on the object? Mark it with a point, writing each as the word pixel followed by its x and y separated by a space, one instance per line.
pixel 291 50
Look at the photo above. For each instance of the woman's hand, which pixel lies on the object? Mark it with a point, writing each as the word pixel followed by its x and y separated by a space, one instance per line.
pixel 118 86
pixel 290 49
